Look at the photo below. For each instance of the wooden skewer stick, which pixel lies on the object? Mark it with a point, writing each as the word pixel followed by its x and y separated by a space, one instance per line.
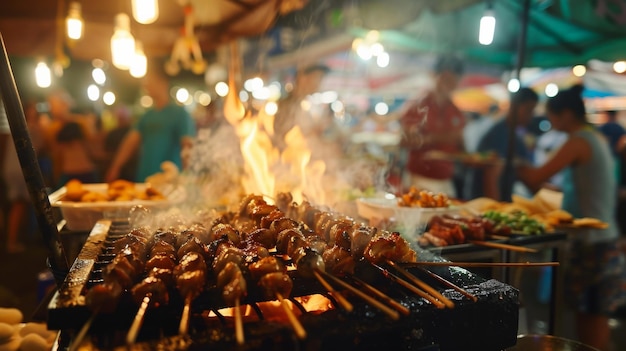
pixel 501 246
pixel 138 321
pixel 410 286
pixel 345 304
pixel 481 264
pixel 239 324
pixel 449 283
pixel 497 237
pixel 421 284
pixel 381 295
pixel 183 328
pixel 83 331
pixel 295 323
pixel 393 314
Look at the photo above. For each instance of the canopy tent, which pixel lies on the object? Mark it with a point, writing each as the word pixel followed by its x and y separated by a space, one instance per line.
pixel 560 33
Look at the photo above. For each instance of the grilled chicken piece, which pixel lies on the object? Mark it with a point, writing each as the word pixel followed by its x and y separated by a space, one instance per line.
pixel 228 230
pixel 284 238
pixel 167 236
pixel 253 251
pixel 264 237
pixel 166 275
pixel 360 237
pixel 153 287
pixel 161 261
pixel 191 283
pixel 228 254
pixel 270 217
pixel 265 266
pixel 192 261
pixel 389 247
pixel 104 297
pixel 276 282
pixel 338 261
pixel 163 248
pixel 192 245
pixel 308 261
pixel 231 281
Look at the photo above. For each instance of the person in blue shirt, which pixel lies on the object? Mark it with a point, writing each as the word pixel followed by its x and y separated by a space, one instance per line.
pixel 490 181
pixel 613 132
pixel 161 134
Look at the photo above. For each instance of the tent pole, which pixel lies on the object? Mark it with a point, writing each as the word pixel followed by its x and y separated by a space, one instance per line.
pixel 508 176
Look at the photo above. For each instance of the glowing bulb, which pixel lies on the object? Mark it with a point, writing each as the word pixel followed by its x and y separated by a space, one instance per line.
pixel 619 66
pixel 487 28
pixel 244 96
pixel 579 70
pixel 253 84
pixel 336 106
pixel 513 85
pixel 182 95
pixel 552 89
pixel 377 49
pixel 93 92
pixel 382 60
pixel 74 21
pixel 261 94
pixel 364 51
pixel 145 11
pixel 271 108
pixel 139 66
pixel 221 89
pixel 43 76
pixel 98 76
pixel 122 43
pixel 146 101
pixel 372 36
pixel 328 97
pixel 108 98
pixel 203 98
pixel 381 108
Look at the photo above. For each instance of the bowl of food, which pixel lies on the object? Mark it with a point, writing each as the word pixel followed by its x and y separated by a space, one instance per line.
pixel 82 205
pixel 410 212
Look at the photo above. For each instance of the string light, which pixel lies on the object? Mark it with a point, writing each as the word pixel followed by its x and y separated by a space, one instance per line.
pixel 579 70
pixel 513 85
pixel 145 11
pixel 487 27
pixel 43 76
pixel 74 21
pixel 122 43
pixel 139 67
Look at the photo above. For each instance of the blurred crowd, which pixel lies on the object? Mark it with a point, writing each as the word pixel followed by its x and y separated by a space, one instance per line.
pixel 438 147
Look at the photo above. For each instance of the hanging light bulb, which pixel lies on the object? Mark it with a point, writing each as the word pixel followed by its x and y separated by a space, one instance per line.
pixel 122 43
pixel 43 77
pixel 487 27
pixel 140 63
pixel 145 11
pixel 74 21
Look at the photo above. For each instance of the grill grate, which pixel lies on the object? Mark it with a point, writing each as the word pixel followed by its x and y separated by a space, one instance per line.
pixel 491 322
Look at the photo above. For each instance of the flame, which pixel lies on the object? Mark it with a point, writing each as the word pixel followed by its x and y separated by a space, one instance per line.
pixel 273 311
pixel 265 166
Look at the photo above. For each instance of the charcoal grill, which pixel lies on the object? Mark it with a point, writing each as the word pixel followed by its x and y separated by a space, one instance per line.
pixel 488 324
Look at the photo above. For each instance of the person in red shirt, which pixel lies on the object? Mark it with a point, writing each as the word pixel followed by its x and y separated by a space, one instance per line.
pixel 434 123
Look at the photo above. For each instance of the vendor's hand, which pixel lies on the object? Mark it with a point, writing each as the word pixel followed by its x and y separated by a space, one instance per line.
pixel 112 174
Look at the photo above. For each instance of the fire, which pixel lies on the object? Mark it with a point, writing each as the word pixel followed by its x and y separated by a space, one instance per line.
pixel 268 171
pixel 273 311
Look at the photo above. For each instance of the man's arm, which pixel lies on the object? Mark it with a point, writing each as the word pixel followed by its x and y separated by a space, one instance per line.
pixel 129 145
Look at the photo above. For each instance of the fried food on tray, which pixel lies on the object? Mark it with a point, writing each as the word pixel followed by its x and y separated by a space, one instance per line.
pixel 74 190
pixel 423 198
pixel 119 190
